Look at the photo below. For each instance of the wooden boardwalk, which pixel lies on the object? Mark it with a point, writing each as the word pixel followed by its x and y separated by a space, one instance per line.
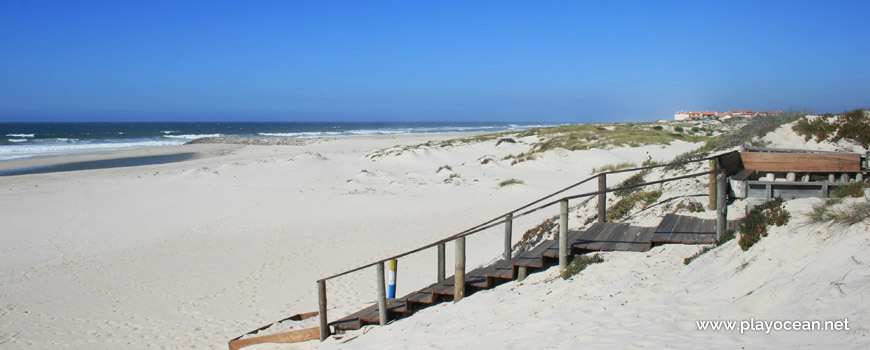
pixel 673 229
pixel 680 229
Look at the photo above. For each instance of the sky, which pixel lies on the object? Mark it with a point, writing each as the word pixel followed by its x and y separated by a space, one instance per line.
pixel 511 61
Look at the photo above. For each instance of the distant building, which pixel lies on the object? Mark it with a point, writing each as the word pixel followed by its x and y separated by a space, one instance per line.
pixel 694 115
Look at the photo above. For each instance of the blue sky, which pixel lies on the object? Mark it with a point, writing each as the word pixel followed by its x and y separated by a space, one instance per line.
pixel 553 61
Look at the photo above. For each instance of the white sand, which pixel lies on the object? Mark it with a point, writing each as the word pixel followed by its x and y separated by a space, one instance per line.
pixel 191 254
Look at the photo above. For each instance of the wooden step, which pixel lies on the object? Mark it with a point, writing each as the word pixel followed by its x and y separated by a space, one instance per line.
pixel 371 315
pixel 503 269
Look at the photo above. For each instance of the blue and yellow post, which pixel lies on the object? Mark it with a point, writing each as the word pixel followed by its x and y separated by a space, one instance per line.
pixel 391 292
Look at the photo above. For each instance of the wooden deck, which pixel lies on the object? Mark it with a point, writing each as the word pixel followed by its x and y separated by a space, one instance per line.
pixel 599 237
pixel 680 229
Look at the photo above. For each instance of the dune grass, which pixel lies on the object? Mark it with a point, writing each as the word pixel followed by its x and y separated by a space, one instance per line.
pixel 613 167
pixel 580 263
pixel 509 182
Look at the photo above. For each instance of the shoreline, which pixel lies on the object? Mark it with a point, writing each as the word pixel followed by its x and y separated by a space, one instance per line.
pixel 155 155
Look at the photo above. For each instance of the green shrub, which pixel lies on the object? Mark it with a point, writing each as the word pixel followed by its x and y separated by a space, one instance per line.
pixel 729 235
pixel 818 128
pixel 505 140
pixel 851 126
pixel 679 129
pixel 855 190
pixel 658 128
pixel 579 264
pixel 754 226
pixel 854 126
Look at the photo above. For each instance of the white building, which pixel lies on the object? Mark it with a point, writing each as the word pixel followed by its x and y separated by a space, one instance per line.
pixel 681 116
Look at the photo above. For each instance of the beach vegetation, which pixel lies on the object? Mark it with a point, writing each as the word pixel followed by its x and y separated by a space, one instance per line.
pixel 679 129
pixel 505 140
pixel 691 206
pixel 624 205
pixel 633 180
pixel 854 190
pixel 754 226
pixel 852 126
pixel 729 235
pixel 613 167
pixel 443 167
pixel 851 214
pixel 691 258
pixel 509 182
pixel 535 235
pixel 580 263
pixel 451 178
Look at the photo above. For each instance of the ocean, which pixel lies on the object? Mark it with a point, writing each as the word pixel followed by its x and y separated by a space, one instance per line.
pixel 28 140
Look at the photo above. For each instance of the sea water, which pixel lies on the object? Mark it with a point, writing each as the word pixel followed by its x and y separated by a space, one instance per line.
pixel 27 140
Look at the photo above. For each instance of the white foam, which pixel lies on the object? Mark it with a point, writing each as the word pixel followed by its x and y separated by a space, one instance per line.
pixel 17 140
pixel 191 136
pixel 50 149
pixel 169 131
pixel 300 134
pixel 20 135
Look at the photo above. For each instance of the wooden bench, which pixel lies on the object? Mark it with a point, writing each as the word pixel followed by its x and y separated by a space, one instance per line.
pixel 801 162
pixel 745 185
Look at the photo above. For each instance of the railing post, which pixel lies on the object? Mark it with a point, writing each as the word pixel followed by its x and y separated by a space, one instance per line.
pixel 382 295
pixel 563 235
pixel 721 206
pixel 602 197
pixel 508 231
pixel 712 186
pixel 459 276
pixel 441 263
pixel 321 296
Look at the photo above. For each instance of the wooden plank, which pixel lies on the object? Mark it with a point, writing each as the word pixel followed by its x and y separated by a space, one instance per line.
pixel 744 175
pixel 731 163
pixel 677 235
pixel 598 241
pixel 644 240
pixel 477 278
pixel 802 162
pixel 503 269
pixel 347 324
pixel 689 226
pixel 295 336
pixel 663 231
pixel 588 236
pixel 608 236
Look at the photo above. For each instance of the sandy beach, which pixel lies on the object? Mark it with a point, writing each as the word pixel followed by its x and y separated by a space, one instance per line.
pixel 190 254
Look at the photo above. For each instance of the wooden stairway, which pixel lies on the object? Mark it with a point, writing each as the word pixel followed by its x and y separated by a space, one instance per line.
pixel 607 236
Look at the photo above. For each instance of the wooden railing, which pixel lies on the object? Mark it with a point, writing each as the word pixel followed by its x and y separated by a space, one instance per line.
pixel 717 174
